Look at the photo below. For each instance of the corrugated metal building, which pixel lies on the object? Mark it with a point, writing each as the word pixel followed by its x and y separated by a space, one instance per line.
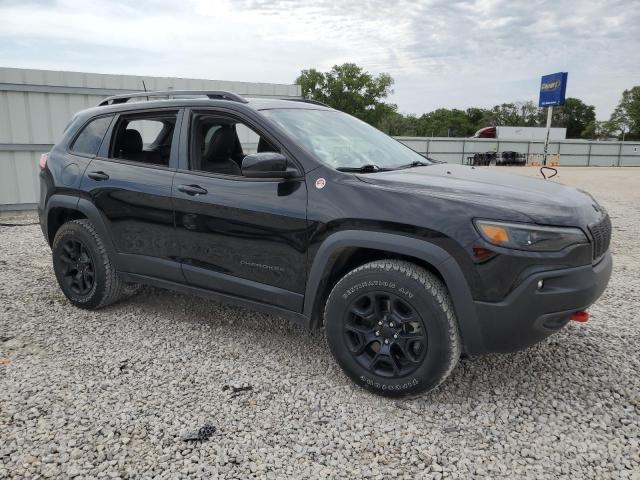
pixel 36 105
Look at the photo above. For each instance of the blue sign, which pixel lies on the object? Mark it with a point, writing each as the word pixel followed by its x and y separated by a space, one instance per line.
pixel 552 89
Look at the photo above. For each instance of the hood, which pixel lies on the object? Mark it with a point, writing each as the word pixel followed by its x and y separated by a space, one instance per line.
pixel 543 201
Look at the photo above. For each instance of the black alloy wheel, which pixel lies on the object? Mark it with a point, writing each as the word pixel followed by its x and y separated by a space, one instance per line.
pixel 77 266
pixel 385 334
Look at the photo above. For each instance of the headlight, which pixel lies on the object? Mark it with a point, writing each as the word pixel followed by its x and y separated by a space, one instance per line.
pixel 536 238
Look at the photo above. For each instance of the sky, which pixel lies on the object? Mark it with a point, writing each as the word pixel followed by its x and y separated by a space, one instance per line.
pixel 441 53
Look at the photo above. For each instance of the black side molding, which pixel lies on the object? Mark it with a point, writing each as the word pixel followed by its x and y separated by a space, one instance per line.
pixel 298 318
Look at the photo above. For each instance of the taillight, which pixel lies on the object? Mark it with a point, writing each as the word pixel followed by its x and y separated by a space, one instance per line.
pixel 43 161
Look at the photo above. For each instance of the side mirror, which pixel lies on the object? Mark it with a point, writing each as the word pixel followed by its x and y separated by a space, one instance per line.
pixel 266 165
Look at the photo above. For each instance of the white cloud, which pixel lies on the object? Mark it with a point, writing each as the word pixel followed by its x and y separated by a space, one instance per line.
pixel 441 53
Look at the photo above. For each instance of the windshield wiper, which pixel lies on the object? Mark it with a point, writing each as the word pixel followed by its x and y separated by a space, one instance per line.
pixel 363 169
pixel 417 163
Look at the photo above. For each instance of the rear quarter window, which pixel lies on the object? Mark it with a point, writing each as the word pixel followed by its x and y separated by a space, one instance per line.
pixel 88 141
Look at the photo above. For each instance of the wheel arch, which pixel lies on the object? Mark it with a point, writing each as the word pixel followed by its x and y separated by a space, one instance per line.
pixel 63 208
pixel 339 254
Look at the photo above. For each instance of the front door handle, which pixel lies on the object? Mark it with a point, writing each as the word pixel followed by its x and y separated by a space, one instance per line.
pixel 98 176
pixel 192 189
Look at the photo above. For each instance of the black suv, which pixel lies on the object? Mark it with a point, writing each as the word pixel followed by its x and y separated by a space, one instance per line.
pixel 295 208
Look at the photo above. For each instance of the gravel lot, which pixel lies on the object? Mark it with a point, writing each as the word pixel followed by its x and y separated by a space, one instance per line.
pixel 109 394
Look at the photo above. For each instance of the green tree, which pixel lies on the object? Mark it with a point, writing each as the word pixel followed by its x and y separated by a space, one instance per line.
pixel 590 131
pixel 444 122
pixel 476 118
pixel 605 130
pixel 399 125
pixel 625 119
pixel 349 88
pixel 516 114
pixel 530 114
pixel 575 116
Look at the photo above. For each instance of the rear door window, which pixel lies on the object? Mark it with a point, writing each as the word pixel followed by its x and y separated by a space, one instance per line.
pixel 88 141
pixel 144 138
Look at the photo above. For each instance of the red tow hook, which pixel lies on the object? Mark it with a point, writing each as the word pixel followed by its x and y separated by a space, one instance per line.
pixel 580 316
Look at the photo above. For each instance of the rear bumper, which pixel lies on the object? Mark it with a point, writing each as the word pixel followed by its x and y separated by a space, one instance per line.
pixel 529 314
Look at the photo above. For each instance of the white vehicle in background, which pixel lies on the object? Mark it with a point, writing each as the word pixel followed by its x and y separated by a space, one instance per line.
pixel 521 133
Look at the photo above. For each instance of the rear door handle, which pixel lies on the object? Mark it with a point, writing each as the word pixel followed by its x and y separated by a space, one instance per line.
pixel 192 189
pixel 98 176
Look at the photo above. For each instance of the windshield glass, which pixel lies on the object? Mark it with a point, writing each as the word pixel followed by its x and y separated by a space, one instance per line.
pixel 342 141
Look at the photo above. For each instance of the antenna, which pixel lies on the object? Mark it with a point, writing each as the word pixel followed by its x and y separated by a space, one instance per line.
pixel 145 88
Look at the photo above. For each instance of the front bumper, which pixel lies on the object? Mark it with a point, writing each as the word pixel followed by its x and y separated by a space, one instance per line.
pixel 529 314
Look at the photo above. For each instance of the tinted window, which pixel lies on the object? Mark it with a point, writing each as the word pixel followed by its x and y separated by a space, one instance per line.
pixel 145 138
pixel 90 138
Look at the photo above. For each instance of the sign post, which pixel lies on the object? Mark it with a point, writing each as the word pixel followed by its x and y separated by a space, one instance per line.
pixel 546 139
pixel 552 92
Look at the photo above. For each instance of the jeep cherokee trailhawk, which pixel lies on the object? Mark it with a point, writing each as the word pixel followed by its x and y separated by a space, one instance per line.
pixel 295 208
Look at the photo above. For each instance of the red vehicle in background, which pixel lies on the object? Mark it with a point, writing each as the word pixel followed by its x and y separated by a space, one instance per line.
pixel 486 132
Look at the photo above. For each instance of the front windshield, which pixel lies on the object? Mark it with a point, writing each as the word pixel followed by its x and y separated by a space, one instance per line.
pixel 342 141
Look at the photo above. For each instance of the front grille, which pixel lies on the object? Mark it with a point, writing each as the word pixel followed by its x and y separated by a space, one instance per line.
pixel 601 233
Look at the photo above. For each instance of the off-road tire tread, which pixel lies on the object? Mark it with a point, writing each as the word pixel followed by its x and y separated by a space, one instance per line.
pixel 432 284
pixel 131 289
pixel 114 286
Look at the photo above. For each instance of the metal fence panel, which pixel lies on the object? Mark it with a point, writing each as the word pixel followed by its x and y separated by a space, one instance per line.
pixel 19 128
pixel 604 149
pixel 630 161
pixel 513 146
pixel 473 146
pixel 18 177
pixel 537 148
pixel 8 190
pixel 419 146
pixel 630 155
pixel 570 152
pixel 441 146
pixel 5 119
pixel 574 154
pixel 575 148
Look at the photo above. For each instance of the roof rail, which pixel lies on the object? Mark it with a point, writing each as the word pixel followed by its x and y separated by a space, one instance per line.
pixel 307 100
pixel 212 94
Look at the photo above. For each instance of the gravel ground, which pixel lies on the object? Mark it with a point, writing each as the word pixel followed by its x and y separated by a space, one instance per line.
pixel 109 394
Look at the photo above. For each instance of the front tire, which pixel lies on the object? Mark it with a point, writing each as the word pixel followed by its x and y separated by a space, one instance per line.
pixel 392 328
pixel 82 266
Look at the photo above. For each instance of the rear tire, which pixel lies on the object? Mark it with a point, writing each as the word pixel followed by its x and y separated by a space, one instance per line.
pixel 82 266
pixel 392 328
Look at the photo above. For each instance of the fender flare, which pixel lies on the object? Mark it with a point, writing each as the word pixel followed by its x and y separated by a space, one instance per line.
pixel 435 256
pixel 56 201
pixel 89 210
